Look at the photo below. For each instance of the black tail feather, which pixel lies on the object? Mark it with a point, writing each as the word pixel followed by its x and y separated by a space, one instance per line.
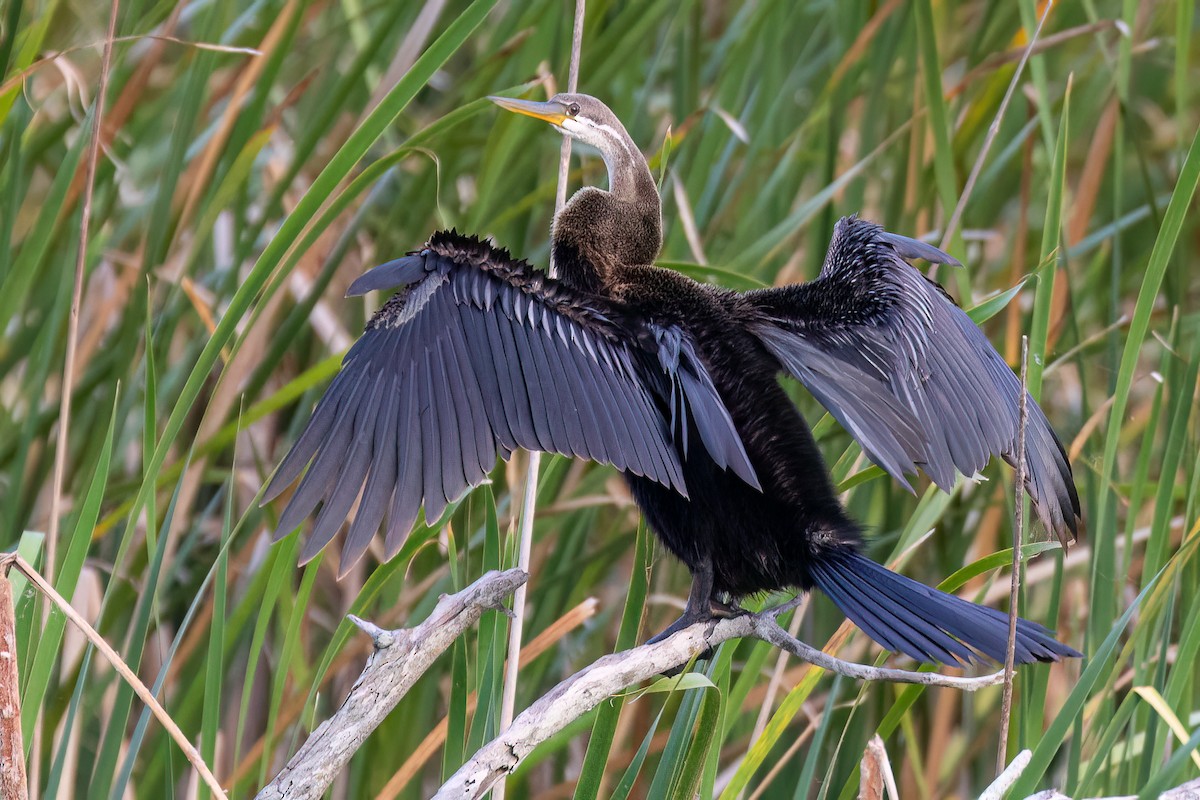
pixel 923 623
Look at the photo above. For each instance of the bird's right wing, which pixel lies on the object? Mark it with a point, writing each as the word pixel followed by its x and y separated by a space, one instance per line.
pixel 476 356
pixel 906 371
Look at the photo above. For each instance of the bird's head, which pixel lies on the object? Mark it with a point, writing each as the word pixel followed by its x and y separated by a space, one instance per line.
pixel 587 120
pixel 637 238
pixel 580 116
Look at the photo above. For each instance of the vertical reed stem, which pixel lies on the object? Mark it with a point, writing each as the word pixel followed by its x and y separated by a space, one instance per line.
pixel 528 503
pixel 1015 584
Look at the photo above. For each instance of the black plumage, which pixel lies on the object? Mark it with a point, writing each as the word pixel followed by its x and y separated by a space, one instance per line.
pixel 676 384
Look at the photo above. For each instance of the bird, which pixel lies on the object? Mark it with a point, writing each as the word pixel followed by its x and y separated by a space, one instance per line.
pixel 677 384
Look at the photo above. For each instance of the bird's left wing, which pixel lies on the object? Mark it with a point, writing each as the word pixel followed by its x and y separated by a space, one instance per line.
pixel 478 355
pixel 906 371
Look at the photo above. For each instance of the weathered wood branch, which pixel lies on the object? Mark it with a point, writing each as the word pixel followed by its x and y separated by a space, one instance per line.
pixel 399 659
pixel 402 656
pixel 611 674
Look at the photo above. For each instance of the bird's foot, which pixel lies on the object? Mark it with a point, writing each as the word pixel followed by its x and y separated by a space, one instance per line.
pixel 716 610
pixel 686 620
pixel 727 610
pixel 691 615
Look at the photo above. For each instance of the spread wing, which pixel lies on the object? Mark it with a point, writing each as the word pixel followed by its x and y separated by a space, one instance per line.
pixel 477 355
pixel 907 372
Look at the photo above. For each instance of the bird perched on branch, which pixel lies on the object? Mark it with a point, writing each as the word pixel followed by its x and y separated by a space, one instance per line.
pixel 676 384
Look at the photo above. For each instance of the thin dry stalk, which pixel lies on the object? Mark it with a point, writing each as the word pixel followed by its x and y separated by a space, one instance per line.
pixel 564 157
pixel 64 411
pixel 11 560
pixel 68 378
pixel 1015 580
pixel 993 132
pixel 516 629
pixel 1012 325
pixel 12 746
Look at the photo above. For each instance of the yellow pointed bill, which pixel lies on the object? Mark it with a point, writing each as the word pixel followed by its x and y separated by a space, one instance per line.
pixel 551 112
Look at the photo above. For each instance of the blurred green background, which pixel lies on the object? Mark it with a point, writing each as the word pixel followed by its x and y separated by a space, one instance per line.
pixel 258 156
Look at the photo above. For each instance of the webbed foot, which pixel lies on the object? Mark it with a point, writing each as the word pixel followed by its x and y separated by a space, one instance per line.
pixel 701 607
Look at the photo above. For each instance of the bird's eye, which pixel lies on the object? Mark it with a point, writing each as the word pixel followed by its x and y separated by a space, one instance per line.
pixel 573 109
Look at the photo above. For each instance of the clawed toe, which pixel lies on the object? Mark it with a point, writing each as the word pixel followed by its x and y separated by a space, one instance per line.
pixel 686 621
pixel 728 610
pixel 701 607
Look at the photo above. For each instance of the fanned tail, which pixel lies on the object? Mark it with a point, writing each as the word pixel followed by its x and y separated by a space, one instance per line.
pixel 923 623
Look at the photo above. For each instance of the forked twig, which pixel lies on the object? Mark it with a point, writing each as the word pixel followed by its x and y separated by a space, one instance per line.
pixel 400 657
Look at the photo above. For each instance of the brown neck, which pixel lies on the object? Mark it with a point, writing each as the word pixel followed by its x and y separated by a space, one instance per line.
pixel 597 232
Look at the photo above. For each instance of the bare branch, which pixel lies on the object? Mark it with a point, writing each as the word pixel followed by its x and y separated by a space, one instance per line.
pixel 1184 791
pixel 1007 777
pixel 613 673
pixel 399 659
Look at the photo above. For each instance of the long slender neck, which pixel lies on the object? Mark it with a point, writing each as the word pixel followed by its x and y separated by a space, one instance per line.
pixel 629 178
pixel 597 231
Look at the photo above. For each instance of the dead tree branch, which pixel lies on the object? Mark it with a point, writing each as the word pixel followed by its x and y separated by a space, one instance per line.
pixel 399 659
pixel 611 674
